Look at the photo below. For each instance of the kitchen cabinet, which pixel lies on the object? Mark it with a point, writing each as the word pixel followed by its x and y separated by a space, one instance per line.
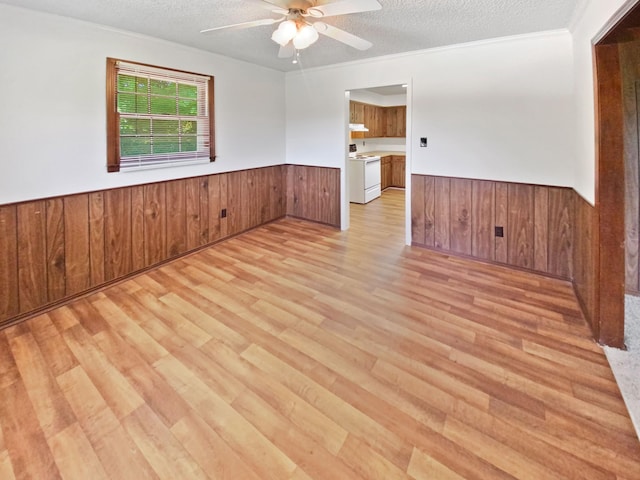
pixel 369 121
pixel 386 171
pixel 396 121
pixel 356 112
pixel 381 121
pixel 392 171
pixel 375 121
pixel 398 171
pixel 356 115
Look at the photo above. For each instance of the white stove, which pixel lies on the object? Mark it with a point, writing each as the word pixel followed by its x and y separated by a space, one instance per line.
pixel 364 177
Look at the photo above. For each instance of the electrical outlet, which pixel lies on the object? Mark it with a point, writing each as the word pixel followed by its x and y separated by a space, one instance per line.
pixel 499 231
pixel 423 141
pixel 223 213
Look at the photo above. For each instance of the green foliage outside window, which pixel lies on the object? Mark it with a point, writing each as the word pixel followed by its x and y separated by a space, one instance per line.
pixel 151 99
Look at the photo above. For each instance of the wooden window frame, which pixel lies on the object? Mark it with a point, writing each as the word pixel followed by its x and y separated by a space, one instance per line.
pixel 113 129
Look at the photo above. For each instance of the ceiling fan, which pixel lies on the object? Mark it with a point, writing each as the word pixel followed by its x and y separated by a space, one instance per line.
pixel 300 23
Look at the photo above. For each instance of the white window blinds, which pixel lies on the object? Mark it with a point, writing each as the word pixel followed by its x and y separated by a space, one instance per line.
pixel 162 116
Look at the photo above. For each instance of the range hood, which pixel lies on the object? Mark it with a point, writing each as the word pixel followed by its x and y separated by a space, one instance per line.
pixel 358 127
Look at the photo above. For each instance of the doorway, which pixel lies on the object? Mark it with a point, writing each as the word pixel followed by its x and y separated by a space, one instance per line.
pixel 384 112
pixel 618 218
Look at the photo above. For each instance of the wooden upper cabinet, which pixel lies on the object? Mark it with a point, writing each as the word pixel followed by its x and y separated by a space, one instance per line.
pixel 381 121
pixel 396 125
pixel 401 121
pixel 371 121
pixel 381 125
pixel 356 112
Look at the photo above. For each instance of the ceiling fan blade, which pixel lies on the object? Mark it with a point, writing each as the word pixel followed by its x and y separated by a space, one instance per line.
pixel 342 36
pixel 344 7
pixel 287 51
pixel 238 26
pixel 278 6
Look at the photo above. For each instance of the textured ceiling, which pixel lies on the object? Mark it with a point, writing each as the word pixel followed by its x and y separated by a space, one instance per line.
pixel 401 25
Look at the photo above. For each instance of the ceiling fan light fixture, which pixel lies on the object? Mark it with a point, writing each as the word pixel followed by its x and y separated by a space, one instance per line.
pixel 285 32
pixel 307 35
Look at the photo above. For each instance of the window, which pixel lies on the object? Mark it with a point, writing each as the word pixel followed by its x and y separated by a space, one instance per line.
pixel 157 116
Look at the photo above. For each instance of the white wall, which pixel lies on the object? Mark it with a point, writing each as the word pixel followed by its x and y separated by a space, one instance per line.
pixel 52 123
pixel 593 18
pixel 498 110
pixel 394 144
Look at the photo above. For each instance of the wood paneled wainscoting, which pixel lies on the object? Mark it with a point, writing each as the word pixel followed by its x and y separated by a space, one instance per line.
pixel 585 262
pixel 544 229
pixel 56 248
pixel 313 193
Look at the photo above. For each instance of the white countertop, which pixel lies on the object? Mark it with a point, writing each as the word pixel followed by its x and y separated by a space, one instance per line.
pixel 379 153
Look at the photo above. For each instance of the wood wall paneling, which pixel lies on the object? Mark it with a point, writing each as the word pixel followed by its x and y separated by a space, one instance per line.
pixel 561 220
pixel 278 191
pixel 9 302
pixel 430 211
pixel 203 189
pixel 541 229
pixel 32 255
pixel 310 189
pixel 460 222
pixel 117 233
pixel 55 239
pixel 249 200
pixel 460 216
pixel 502 220
pixel 96 238
pixel 176 205
pixel 192 213
pixel 263 184
pixel 585 261
pixel 77 253
pixel 138 246
pixel 327 194
pixel 418 209
pixel 224 202
pixel 213 218
pixel 306 187
pixel 234 202
pixel 483 215
pixel 155 223
pixel 520 226
pixel 442 212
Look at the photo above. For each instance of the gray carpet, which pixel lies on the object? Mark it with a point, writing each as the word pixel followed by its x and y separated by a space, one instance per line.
pixel 626 364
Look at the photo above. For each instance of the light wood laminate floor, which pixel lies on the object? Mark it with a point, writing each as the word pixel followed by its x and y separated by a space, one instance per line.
pixel 297 351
